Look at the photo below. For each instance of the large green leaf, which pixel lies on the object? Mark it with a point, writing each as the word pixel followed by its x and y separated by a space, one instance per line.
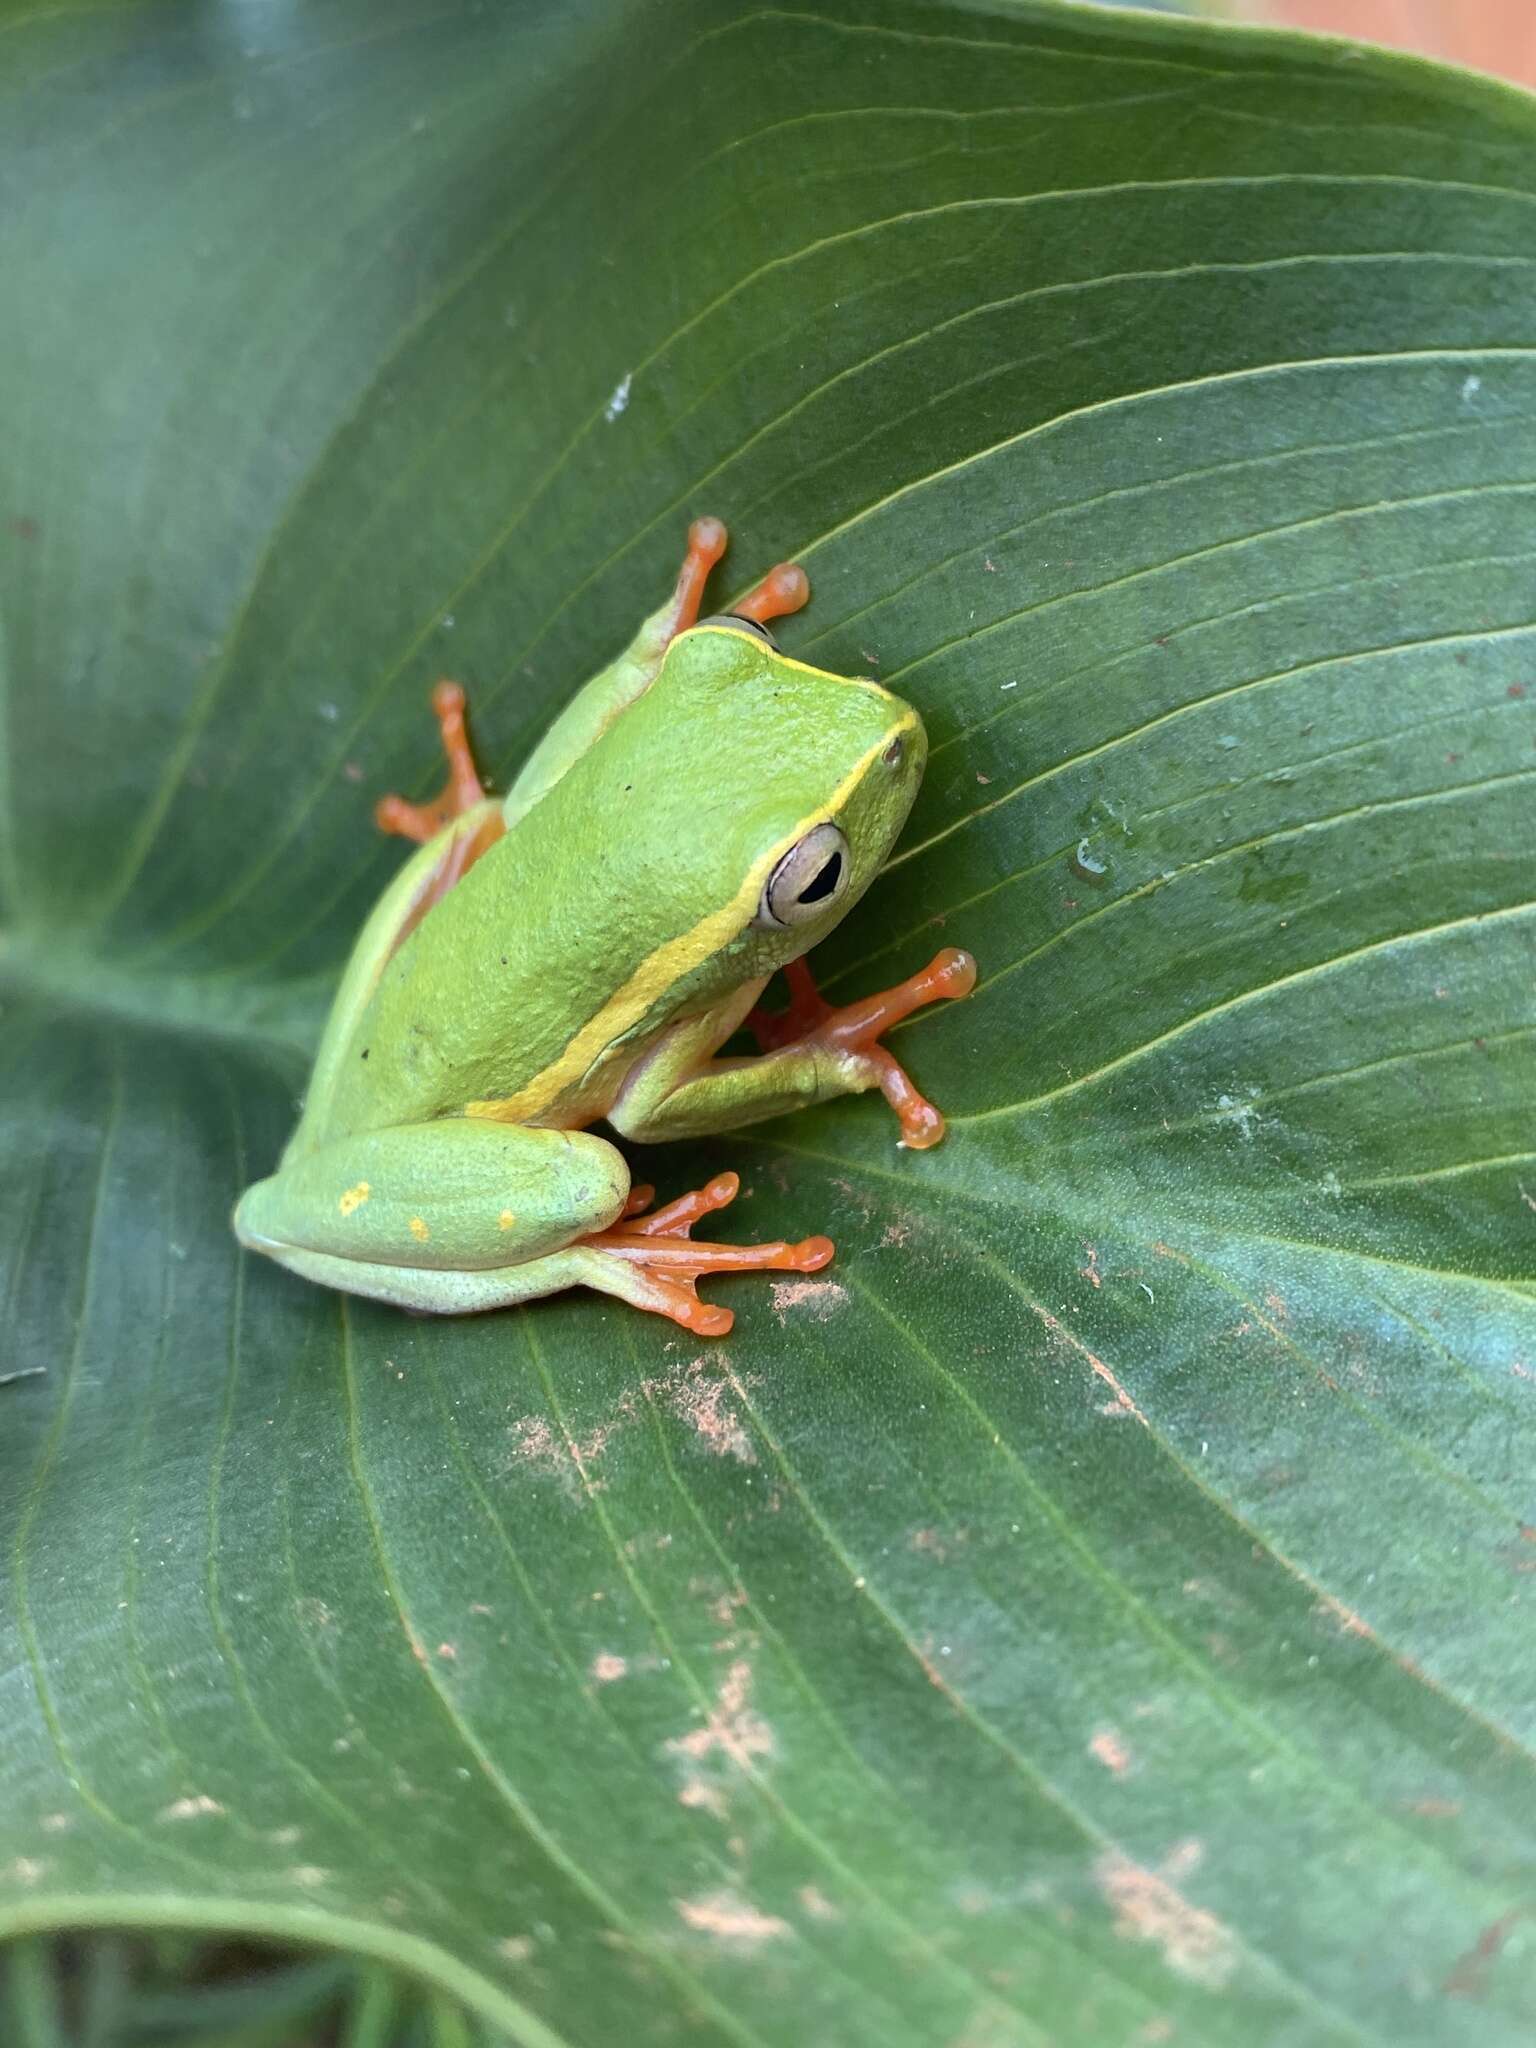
pixel 1099 1609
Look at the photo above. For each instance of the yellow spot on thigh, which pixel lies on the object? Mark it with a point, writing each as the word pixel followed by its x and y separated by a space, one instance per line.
pixel 354 1198
pixel 505 1220
pixel 419 1229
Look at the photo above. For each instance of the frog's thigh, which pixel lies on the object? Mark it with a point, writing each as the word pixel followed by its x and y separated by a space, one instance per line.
pixel 458 1195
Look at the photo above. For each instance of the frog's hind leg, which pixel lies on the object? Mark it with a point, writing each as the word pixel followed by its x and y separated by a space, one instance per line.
pixel 462 1213
pixel 462 805
pixel 460 793
pixel 707 541
pixel 783 590
pixel 654 1262
pixel 450 1196
pixel 650 1261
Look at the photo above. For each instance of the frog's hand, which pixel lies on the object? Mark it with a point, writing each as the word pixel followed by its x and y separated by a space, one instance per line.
pixel 599 702
pixel 813 1052
pixel 855 1030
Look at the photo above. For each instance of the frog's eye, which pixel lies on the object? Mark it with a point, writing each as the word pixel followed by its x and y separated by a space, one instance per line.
pixel 734 623
pixel 808 880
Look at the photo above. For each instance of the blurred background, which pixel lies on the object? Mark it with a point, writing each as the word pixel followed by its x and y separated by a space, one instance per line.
pixel 1488 35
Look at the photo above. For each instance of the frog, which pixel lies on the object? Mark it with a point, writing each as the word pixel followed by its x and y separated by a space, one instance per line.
pixel 699 816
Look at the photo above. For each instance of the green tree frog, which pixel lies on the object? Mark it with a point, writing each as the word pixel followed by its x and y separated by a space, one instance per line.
pixel 699 816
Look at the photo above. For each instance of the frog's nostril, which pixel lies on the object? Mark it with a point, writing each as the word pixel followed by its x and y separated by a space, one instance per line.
pixel 894 754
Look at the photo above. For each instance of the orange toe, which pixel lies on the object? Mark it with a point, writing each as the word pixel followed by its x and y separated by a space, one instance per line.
pixel 667 1263
pixel 857 1028
pixel 707 541
pixel 460 793
pixel 783 590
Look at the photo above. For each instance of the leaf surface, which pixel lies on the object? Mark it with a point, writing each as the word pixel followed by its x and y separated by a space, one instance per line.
pixel 1098 1609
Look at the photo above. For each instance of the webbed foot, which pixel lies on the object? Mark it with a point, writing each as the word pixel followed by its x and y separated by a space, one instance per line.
pixel 665 1264
pixel 855 1028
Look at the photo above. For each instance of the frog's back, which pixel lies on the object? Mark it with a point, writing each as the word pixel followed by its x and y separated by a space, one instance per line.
pixel 623 899
pixel 473 1004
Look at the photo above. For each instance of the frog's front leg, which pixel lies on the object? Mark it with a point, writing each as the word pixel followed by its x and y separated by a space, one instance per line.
pixel 463 1213
pixel 812 1053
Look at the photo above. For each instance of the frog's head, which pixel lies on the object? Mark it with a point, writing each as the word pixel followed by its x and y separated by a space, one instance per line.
pixel 798 785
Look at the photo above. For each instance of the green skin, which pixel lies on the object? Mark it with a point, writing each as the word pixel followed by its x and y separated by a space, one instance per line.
pixel 588 965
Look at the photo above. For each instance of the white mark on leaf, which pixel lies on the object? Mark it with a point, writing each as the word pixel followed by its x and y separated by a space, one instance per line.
pixel 191 1808
pixel 731 1919
pixel 1236 1110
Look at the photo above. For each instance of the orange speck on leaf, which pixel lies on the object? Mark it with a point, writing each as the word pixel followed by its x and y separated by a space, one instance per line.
pixel 1111 1752
pixel 1122 1401
pixel 698 1792
pixel 1469 1975
pixel 1149 1908
pixel 732 1728
pixel 731 1919
pixel 1345 1618
pixel 819 1298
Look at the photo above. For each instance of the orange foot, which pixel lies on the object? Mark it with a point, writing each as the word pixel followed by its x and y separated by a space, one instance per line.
pixel 856 1028
pixel 667 1264
pixel 707 540
pixel 784 589
pixel 460 793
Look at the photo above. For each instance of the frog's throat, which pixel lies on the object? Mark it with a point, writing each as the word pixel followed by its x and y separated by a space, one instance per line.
pixel 662 969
